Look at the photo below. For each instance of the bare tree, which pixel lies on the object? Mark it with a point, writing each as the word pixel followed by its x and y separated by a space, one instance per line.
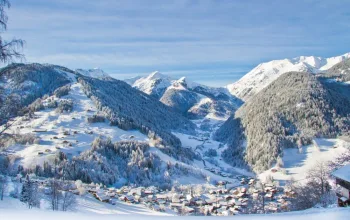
pixel 55 194
pixel 261 196
pixel 59 196
pixel 9 50
pixel 68 200
pixel 318 177
pixel 306 197
pixel 315 190
pixel 3 186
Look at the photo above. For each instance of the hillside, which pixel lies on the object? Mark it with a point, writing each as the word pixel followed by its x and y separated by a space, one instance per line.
pixel 340 72
pixel 64 123
pixel 265 73
pixel 22 84
pixel 129 108
pixel 288 113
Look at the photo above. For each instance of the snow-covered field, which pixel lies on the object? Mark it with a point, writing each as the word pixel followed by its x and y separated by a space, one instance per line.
pixel 85 206
pixel 89 208
pixel 296 164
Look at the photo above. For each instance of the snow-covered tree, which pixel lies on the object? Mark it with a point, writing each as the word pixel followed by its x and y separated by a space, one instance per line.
pixel 30 193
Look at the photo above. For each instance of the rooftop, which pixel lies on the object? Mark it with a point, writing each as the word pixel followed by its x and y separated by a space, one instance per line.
pixel 343 173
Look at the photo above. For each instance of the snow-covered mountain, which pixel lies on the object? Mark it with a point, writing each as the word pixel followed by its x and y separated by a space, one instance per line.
pixel 288 113
pixel 95 73
pixel 265 73
pixel 96 133
pixel 66 113
pixel 155 84
pixel 189 98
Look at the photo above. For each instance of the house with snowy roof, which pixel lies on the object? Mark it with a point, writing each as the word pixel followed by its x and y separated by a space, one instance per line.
pixel 342 177
pixel 102 197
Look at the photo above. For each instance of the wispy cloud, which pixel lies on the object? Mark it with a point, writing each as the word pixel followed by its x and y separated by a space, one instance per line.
pixel 178 35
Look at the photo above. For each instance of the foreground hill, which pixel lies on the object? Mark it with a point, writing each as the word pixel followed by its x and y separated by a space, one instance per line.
pixel 22 84
pixel 265 73
pixel 288 113
pixel 191 99
pixel 129 108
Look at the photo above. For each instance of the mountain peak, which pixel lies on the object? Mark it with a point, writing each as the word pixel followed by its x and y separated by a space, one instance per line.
pixel 153 84
pixel 156 75
pixel 182 80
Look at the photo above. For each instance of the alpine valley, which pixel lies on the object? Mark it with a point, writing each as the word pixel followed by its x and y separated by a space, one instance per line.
pixel 154 144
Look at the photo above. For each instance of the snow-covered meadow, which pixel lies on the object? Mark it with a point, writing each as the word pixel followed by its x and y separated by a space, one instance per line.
pixel 297 162
pixel 89 208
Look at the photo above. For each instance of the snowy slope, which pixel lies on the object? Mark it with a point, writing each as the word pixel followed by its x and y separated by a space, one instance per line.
pixel 296 164
pixel 81 133
pixel 95 73
pixel 265 73
pixel 91 210
pixel 86 205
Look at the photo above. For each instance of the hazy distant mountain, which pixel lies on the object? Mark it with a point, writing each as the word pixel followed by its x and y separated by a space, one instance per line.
pixel 95 73
pixel 132 80
pixel 265 73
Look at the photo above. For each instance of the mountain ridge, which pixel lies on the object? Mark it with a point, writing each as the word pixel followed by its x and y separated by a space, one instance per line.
pixel 189 98
pixel 265 73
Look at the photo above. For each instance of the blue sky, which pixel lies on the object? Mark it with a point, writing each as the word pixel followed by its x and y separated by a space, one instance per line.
pixel 210 41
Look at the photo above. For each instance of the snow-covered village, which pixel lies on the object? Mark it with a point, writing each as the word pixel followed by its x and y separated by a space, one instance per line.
pixel 174 109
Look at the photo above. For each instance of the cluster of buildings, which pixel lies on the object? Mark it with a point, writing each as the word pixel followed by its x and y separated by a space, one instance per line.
pixel 211 201
pixel 249 197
